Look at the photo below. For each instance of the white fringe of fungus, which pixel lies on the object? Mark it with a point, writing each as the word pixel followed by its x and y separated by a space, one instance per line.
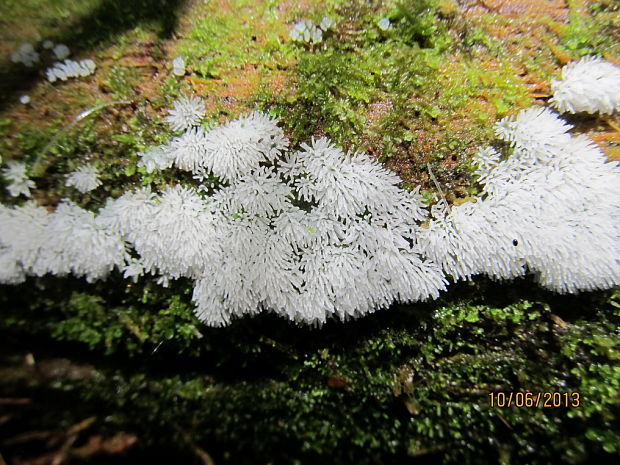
pixel 317 262
pixel 21 237
pixel 590 85
pixel 178 66
pixel 250 248
pixel 156 158
pixel 170 232
pixel 75 242
pixel 26 55
pixel 187 112
pixel 230 150
pixel 548 208
pixel 307 31
pixel 19 184
pixel 61 51
pixel 69 241
pixel 320 233
pixel 84 179
pixel 70 69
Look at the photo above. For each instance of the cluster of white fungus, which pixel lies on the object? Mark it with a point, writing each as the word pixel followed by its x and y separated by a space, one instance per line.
pixel 307 31
pixel 61 51
pixel 69 241
pixel 19 183
pixel 282 246
pixel 384 24
pixel 70 69
pixel 589 85
pixel 26 54
pixel 178 66
pixel 317 233
pixel 84 179
pixel 187 112
pixel 299 240
pixel 229 150
pixel 548 208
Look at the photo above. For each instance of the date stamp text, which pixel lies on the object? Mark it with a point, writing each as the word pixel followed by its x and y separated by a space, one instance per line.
pixel 534 399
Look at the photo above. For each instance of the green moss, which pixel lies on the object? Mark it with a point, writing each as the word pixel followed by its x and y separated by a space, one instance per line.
pixel 595 33
pixel 404 383
pixel 45 15
pixel 220 40
pixel 90 321
pixel 419 23
pixel 122 81
pixel 338 80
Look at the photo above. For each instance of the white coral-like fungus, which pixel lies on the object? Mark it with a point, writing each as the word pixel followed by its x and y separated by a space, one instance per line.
pixel 187 113
pixel 70 69
pixel 26 55
pixel 251 248
pixel 61 51
pixel 345 185
pixel 321 261
pixel 260 193
pixel 547 208
pixel 384 24
pixel 307 31
pixel 70 240
pixel 21 232
pixel 590 85
pixel 536 132
pixel 231 150
pixel 157 158
pixel 189 151
pixel 84 179
pixel 77 243
pixel 171 232
pixel 19 183
pixel 126 213
pixel 322 233
pixel 178 66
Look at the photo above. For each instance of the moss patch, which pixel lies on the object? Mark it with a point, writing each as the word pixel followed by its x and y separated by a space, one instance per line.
pixel 405 385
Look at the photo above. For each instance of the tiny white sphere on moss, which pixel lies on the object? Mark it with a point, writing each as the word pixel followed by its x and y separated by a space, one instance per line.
pixel 326 23
pixel 61 51
pixel 178 66
pixel 384 24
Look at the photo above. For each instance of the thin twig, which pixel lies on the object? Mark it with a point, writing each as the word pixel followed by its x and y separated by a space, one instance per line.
pixel 434 179
pixel 36 167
